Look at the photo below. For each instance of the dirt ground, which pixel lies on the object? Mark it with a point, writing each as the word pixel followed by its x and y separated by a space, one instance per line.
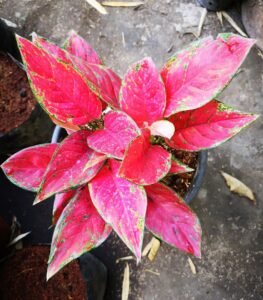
pixel 232 257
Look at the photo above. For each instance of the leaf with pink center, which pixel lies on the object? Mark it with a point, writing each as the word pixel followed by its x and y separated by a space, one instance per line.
pixel 208 126
pixel 142 93
pixel 121 203
pixel 198 74
pixel 60 202
pixel 171 219
pixel 59 88
pixel 77 46
pixel 27 167
pixel 178 167
pixel 144 163
pixel 79 229
pixel 162 128
pixel 102 81
pixel 73 164
pixel 119 130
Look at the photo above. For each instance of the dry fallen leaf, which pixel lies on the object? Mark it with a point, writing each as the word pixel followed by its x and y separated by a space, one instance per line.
pixel 124 258
pixel 238 187
pixel 126 283
pixel 97 6
pixel 192 266
pixel 154 248
pixel 147 248
pixel 220 17
pixel 122 3
pixel 233 23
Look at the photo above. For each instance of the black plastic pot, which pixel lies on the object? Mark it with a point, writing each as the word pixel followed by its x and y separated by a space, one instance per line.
pixel 198 177
pixel 38 127
pixel 216 5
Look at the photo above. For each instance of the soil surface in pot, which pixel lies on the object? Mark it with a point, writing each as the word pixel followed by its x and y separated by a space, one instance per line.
pixel 23 277
pixel 182 182
pixel 16 98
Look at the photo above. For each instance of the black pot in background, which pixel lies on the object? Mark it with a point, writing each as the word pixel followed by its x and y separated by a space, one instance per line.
pixel 216 5
pixel 35 130
pixel 59 133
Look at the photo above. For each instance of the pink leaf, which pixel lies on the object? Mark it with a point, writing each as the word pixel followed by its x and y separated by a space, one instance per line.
pixel 143 94
pixel 198 74
pixel 178 167
pixel 77 46
pixel 59 88
pixel 101 80
pixel 144 163
pixel 73 164
pixel 26 168
pixel 207 126
pixel 60 202
pixel 119 130
pixel 79 229
pixel 172 220
pixel 162 128
pixel 121 203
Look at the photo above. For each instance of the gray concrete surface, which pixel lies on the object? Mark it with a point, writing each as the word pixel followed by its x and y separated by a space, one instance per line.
pixel 232 256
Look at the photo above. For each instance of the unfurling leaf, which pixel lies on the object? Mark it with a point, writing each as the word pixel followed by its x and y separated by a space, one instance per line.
pixel 119 130
pixel 196 75
pixel 192 266
pixel 162 128
pixel 142 93
pixel 238 187
pixel 154 249
pixel 68 168
pixel 26 168
pixel 79 229
pixel 170 219
pixel 77 46
pixel 121 203
pixel 59 88
pixel 126 283
pixel 208 126
pixel 144 163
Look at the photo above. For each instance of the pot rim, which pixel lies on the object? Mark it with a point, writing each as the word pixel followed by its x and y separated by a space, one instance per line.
pixel 198 176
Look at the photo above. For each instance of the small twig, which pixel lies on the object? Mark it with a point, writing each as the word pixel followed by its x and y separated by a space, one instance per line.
pixel 152 272
pixel 122 4
pixel 220 17
pixel 201 23
pixel 233 23
pixel 192 266
pixel 123 39
pixel 97 6
pixel 124 258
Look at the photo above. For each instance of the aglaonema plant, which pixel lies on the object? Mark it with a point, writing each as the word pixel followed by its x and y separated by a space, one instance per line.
pixel 107 174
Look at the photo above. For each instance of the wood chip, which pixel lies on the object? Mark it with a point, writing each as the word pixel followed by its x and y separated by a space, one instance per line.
pixel 126 283
pixel 152 272
pixel 192 266
pixel 201 23
pixel 154 249
pixel 122 3
pixel 233 23
pixel 220 17
pixel 97 6
pixel 237 186
pixel 147 248
pixel 123 39
pixel 124 258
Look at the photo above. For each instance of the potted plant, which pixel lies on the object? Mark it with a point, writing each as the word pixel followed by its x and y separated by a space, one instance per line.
pixel 112 170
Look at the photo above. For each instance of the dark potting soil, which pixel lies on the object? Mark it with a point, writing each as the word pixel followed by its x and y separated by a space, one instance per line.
pixel 182 182
pixel 16 98
pixel 23 277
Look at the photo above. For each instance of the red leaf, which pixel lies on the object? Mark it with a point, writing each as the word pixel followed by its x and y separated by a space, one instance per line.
pixel 144 163
pixel 61 201
pixel 73 164
pixel 77 46
pixel 143 94
pixel 207 126
pixel 121 203
pixel 198 74
pixel 26 168
pixel 101 80
pixel 178 167
pixel 79 229
pixel 59 88
pixel 119 130
pixel 171 219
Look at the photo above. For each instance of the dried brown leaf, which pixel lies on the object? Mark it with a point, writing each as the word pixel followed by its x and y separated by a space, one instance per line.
pixel 126 283
pixel 238 187
pixel 192 266
pixel 122 3
pixel 154 249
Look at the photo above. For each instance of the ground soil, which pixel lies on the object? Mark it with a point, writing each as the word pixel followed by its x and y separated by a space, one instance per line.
pixel 23 277
pixel 16 98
